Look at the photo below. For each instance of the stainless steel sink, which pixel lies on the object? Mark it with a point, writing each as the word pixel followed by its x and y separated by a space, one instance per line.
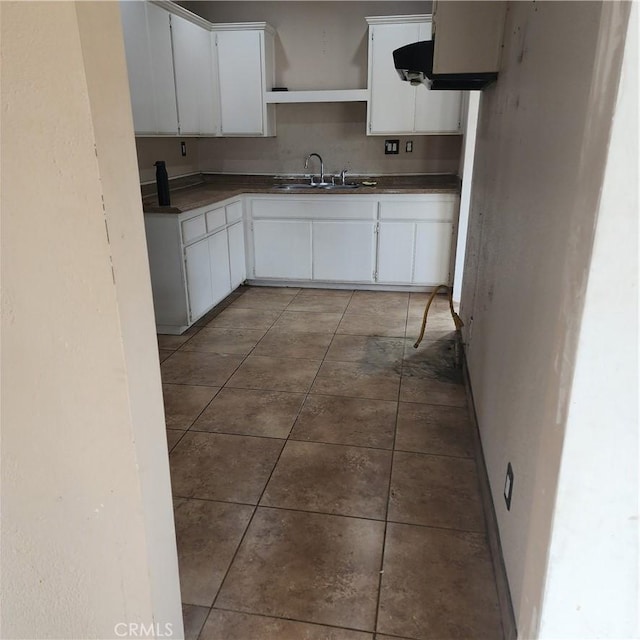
pixel 290 186
pixel 306 185
pixel 339 187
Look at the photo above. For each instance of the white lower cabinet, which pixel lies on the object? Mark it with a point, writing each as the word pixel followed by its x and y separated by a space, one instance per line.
pixel 343 251
pixel 282 249
pixel 199 285
pixel 360 239
pixel 237 260
pixel 395 251
pixel 433 254
pixel 219 265
pixel 415 240
pixel 414 253
pixel 196 259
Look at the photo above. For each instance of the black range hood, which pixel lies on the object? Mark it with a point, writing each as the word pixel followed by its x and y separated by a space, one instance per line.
pixel 414 63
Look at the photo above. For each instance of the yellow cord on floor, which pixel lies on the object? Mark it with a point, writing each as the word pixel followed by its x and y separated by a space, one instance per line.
pixel 456 318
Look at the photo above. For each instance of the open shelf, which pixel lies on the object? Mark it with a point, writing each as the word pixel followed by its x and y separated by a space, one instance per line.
pixel 335 95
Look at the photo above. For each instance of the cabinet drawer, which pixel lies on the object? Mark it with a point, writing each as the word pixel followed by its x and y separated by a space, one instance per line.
pixel 215 219
pixel 234 212
pixel 315 208
pixel 439 209
pixel 193 228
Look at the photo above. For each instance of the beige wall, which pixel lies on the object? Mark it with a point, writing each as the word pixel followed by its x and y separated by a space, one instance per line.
pixel 168 149
pixel 336 132
pixel 540 161
pixel 87 528
pixel 319 45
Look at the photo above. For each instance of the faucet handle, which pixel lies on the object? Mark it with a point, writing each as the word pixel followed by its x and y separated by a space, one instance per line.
pixel 343 173
pixel 309 176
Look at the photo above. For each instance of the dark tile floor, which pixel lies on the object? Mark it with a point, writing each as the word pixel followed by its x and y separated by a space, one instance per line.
pixel 323 472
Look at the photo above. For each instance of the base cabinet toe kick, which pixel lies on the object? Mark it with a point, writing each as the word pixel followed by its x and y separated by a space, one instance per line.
pixel 386 241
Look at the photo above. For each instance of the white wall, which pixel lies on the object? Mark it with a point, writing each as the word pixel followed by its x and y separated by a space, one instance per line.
pixel 540 158
pixel 592 584
pixel 87 525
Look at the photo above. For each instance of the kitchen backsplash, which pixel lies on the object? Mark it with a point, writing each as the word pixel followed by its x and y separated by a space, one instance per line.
pixel 167 149
pixel 334 130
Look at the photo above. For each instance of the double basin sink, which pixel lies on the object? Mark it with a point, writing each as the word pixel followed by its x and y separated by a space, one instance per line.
pixel 323 187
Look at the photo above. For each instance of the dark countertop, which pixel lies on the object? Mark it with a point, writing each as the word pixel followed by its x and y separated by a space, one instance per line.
pixel 192 192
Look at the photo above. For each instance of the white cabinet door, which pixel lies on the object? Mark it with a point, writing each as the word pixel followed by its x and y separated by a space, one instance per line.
pixel 395 106
pixel 237 261
pixel 414 252
pixel 196 93
pixel 136 42
pixel 395 252
pixel 164 88
pixel 240 76
pixel 147 39
pixel 219 265
pixel 282 249
pixel 199 288
pixel 245 72
pixel 438 111
pixel 432 253
pixel 343 251
pixel 391 103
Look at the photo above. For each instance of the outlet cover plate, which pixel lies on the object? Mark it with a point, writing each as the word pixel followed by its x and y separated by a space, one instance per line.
pixel 391 147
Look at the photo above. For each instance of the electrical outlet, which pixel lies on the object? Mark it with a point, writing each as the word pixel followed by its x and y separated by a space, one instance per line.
pixel 391 147
pixel 408 147
pixel 183 148
pixel 508 486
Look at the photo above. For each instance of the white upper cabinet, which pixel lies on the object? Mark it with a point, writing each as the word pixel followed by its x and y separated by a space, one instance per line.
pixel 245 61
pixel 147 39
pixel 194 75
pixel 395 106
pixel 190 77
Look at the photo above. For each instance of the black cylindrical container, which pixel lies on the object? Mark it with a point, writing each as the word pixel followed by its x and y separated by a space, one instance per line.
pixel 162 183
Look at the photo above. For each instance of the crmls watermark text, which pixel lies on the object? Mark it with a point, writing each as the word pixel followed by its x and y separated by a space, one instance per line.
pixel 142 630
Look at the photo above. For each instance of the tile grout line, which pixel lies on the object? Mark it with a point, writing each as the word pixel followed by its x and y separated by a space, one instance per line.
pixel 323 442
pixel 389 487
pixel 277 617
pixel 255 509
pixel 331 515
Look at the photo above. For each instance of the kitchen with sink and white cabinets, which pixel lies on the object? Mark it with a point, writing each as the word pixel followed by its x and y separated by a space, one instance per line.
pixel 196 83
pixel 302 167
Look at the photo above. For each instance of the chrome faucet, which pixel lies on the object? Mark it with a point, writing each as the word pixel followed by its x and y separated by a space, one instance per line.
pixel 306 165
